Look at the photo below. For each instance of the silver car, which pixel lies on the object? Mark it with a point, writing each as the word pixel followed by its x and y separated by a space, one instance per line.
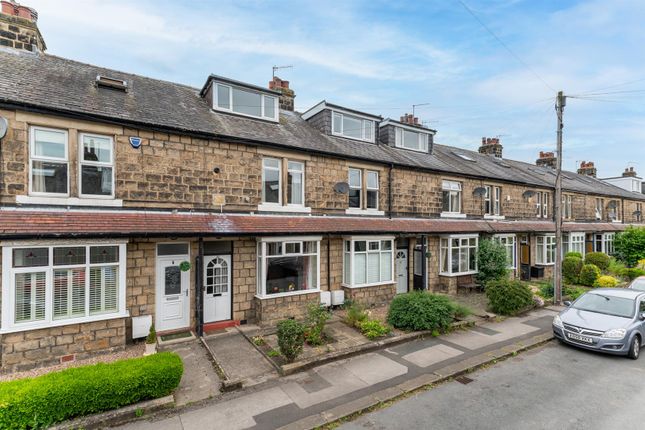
pixel 638 284
pixel 609 320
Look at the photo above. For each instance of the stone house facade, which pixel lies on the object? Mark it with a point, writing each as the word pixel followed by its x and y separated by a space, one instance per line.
pixel 128 201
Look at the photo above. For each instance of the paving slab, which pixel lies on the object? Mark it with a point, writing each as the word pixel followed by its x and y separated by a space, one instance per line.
pixel 237 357
pixel 199 381
pixel 431 355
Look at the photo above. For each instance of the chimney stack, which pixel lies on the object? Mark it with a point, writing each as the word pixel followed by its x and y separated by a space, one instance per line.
pixel 409 119
pixel 18 28
pixel 287 95
pixel 491 146
pixel 587 168
pixel 629 173
pixel 547 159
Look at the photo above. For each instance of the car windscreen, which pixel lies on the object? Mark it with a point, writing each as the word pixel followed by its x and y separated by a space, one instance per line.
pixel 618 306
pixel 638 284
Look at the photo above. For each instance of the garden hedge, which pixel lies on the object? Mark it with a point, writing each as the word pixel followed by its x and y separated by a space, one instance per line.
pixel 42 401
pixel 599 259
pixel 508 297
pixel 419 310
pixel 588 274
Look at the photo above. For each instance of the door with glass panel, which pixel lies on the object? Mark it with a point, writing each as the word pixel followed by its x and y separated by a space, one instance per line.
pixel 217 288
pixel 173 295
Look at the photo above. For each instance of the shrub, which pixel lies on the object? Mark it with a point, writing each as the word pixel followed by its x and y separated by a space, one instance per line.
pixel 152 335
pixel 574 292
pixel 629 245
pixel 546 290
pixel 491 261
pixel 616 268
pixel 598 259
pixel 42 401
pixel 317 317
pixel 633 273
pixel 605 282
pixel 571 267
pixel 421 311
pixel 355 315
pixel 508 297
pixel 291 338
pixel 373 329
pixel 641 264
pixel 588 274
pixel 573 254
pixel 461 311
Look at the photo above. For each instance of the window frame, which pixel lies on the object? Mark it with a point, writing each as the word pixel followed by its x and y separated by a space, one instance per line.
pixel 261 263
pixel 82 162
pixel 302 173
pixel 364 121
pixel 9 292
pixel 351 240
pixel 450 190
pixel 364 188
pixel 542 204
pixel 280 185
pixel 542 256
pixel 600 208
pixel 263 97
pixel 571 238
pixel 492 199
pixel 33 157
pixel 399 139
pixel 500 238
pixel 567 206
pixel 376 189
pixel 449 249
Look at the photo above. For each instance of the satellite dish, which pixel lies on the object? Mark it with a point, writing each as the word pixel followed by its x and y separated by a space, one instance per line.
pixel 637 213
pixel 3 127
pixel 341 187
pixel 528 194
pixel 479 192
pixel 612 204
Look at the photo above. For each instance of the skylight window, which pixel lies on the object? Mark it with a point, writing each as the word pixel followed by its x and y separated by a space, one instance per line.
pixel 117 84
pixel 464 157
pixel 245 102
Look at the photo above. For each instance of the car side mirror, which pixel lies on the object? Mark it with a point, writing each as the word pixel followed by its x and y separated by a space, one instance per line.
pixel 567 303
pixel 642 316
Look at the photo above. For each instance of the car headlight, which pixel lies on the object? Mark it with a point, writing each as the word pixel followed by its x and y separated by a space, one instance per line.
pixel 617 333
pixel 557 321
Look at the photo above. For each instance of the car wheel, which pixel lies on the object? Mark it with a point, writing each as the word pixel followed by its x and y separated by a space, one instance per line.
pixel 635 349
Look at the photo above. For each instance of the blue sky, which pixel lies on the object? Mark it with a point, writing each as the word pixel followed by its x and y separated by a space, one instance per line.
pixel 383 56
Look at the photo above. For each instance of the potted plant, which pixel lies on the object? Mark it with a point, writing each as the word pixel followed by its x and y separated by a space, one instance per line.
pixel 151 341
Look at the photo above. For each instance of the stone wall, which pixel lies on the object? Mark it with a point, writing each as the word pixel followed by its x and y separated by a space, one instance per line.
pixel 272 310
pixel 49 346
pixel 20 33
pixel 244 279
pixel 371 296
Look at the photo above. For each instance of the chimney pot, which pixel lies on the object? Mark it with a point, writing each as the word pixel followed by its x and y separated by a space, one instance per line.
pixel 491 146
pixel 287 95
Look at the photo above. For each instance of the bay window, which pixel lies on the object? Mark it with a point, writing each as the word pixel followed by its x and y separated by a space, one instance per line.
pixel 288 265
pixel 451 196
pixel 573 242
pixel 96 168
pixel 508 241
pixel 458 255
pixel 545 249
pixel 46 286
pixel 605 243
pixel 49 162
pixel 368 261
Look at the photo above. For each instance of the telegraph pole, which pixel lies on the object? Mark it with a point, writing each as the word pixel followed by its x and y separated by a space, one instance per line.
pixel 557 276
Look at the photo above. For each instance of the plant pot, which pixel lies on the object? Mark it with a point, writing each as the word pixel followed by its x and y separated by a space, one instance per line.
pixel 151 348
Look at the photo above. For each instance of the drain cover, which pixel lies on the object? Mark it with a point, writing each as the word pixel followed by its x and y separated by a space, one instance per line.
pixel 464 380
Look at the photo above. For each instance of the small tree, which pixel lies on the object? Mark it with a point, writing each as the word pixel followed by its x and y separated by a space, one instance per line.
pixel 291 339
pixel 492 261
pixel 629 246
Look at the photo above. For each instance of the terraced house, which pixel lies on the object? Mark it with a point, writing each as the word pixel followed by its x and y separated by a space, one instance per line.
pixel 126 199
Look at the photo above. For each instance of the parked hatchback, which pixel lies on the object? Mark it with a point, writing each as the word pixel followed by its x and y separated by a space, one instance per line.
pixel 638 284
pixel 609 320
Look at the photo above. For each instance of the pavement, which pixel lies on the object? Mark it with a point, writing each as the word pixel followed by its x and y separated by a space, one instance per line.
pixel 328 392
pixel 552 387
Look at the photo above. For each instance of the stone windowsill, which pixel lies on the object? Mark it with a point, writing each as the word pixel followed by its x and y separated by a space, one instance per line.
pixel 67 201
pixel 452 215
pixel 356 211
pixel 268 207
pixel 291 293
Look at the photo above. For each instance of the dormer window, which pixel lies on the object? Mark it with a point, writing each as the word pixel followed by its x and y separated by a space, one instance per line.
pixel 412 140
pixel 353 127
pixel 247 102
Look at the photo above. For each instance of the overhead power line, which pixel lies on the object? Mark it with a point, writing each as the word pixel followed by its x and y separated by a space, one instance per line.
pixel 501 42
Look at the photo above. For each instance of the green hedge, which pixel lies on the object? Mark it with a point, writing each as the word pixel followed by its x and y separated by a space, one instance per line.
pixel 598 259
pixel 588 274
pixel 421 311
pixel 508 297
pixel 42 401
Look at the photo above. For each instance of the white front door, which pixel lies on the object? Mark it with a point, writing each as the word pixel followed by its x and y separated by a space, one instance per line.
pixel 173 294
pixel 401 271
pixel 217 288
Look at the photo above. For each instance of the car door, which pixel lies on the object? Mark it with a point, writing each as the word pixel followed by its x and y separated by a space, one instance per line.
pixel 641 326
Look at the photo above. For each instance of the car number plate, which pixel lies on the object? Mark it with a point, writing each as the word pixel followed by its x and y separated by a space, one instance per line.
pixel 579 338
